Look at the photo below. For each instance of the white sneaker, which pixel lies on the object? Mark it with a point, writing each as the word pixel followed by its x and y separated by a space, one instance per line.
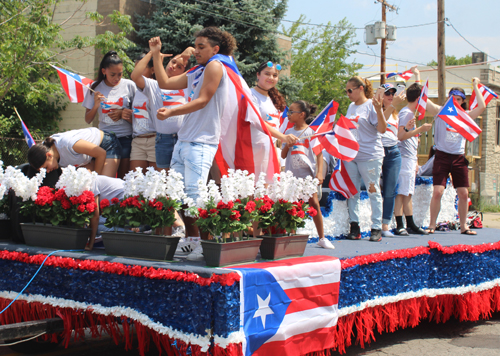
pixel 387 233
pixel 179 231
pixel 197 254
pixel 325 243
pixel 185 246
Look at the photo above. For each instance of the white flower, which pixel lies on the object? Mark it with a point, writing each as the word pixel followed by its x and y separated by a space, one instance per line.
pixel 133 183
pixel 75 181
pixel 260 187
pixel 23 187
pixel 175 187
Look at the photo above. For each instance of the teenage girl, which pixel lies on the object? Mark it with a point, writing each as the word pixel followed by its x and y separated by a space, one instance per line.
pixel 112 95
pixel 301 161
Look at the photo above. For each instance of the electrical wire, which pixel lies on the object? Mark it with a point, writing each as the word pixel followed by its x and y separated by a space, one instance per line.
pixel 448 22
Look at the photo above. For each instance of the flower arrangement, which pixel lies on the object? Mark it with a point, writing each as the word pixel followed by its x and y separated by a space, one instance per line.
pixel 226 210
pixel 150 199
pixel 4 209
pixel 281 206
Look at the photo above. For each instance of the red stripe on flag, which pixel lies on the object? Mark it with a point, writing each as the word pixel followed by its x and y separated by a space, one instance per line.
pixel 290 262
pixel 306 298
pixel 64 83
pixel 243 155
pixel 221 162
pixel 314 341
pixel 79 92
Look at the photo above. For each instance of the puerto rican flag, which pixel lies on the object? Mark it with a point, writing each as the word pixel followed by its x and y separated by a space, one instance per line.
pixel 392 125
pixel 27 134
pixel 284 123
pixel 487 94
pixel 289 307
pixel 422 100
pixel 405 75
pixel 173 97
pixel 323 123
pixel 341 182
pixel 74 85
pixel 341 142
pixel 108 106
pixel 141 112
pixel 245 141
pixel 458 119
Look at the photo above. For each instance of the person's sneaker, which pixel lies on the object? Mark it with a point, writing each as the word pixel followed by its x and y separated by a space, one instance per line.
pixel 325 243
pixel 179 231
pixel 197 254
pixel 387 233
pixel 418 231
pixel 401 231
pixel 185 246
pixel 354 232
pixel 376 235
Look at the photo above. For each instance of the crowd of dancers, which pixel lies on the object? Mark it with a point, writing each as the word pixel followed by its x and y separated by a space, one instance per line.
pixel 168 117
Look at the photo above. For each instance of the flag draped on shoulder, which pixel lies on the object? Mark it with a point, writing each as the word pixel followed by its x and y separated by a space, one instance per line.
pixel 487 94
pixel 245 142
pixel 340 143
pixel 75 86
pixel 405 75
pixel 422 100
pixel 341 182
pixel 289 307
pixel 457 118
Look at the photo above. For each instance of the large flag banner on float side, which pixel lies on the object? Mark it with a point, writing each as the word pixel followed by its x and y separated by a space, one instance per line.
pixel 456 117
pixel 245 141
pixel 75 86
pixel 289 307
pixel 487 94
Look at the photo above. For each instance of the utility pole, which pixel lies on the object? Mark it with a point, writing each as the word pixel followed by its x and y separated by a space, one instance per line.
pixel 441 57
pixel 384 41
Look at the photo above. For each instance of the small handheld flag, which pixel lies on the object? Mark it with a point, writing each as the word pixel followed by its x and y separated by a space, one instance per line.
pixel 27 135
pixel 74 85
pixel 284 123
pixel 341 182
pixel 456 117
pixel 487 94
pixel 340 143
pixel 422 101
pixel 405 75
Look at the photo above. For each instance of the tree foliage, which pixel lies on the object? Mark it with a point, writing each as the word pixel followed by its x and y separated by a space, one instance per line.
pixel 254 25
pixel 31 41
pixel 453 61
pixel 321 61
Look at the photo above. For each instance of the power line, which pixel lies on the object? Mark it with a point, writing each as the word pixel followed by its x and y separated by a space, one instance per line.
pixel 448 22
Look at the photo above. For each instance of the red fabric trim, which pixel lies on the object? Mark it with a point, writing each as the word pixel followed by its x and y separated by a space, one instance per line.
pixel 465 248
pixel 384 256
pixel 119 268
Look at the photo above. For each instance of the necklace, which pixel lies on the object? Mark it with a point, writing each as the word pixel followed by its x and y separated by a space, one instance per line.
pixel 262 88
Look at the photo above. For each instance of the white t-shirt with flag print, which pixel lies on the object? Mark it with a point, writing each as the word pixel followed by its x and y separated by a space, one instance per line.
pixel 364 118
pixel 267 110
pixel 390 137
pixel 300 159
pixel 447 139
pixel 141 118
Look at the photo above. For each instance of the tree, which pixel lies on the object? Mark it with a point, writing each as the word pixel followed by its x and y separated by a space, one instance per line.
pixel 253 24
pixel 31 41
pixel 320 59
pixel 453 61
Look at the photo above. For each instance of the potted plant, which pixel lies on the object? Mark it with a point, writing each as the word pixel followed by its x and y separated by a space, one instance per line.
pixel 281 210
pixel 225 214
pixel 65 212
pixel 150 199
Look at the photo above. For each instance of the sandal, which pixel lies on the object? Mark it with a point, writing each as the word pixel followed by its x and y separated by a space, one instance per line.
pixel 468 232
pixel 430 230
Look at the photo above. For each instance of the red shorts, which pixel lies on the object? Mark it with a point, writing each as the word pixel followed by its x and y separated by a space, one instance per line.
pixel 446 163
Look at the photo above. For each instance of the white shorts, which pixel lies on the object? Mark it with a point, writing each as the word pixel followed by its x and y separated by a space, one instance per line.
pixel 406 179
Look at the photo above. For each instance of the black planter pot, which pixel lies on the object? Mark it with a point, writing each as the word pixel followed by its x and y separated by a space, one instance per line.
pixel 153 247
pixel 57 237
pixel 5 229
pixel 274 247
pixel 223 254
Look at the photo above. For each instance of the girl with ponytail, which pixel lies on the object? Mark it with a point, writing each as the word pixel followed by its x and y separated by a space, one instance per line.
pixel 112 95
pixel 369 121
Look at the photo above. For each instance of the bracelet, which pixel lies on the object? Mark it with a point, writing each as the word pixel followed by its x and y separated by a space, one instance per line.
pixel 417 81
pixel 406 129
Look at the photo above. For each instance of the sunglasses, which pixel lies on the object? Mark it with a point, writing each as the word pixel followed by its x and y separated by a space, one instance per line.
pixel 271 64
pixel 294 112
pixel 349 91
pixel 389 93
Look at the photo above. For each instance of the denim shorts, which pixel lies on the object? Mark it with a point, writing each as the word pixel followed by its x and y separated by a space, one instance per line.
pixel 111 145
pixel 126 142
pixel 164 148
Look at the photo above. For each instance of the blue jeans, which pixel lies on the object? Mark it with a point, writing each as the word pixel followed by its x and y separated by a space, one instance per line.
pixel 369 172
pixel 164 148
pixel 390 173
pixel 126 143
pixel 111 145
pixel 193 160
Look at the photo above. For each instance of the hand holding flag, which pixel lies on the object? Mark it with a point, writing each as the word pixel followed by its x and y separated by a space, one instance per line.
pixel 487 94
pixel 405 75
pixel 340 142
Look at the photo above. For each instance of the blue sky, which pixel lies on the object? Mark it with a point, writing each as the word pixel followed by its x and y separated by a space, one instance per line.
pixel 475 20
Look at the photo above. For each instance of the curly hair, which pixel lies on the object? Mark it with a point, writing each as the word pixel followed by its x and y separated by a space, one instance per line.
pixel 365 83
pixel 217 37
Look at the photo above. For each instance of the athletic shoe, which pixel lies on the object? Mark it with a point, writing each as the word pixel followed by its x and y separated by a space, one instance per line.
pixel 325 243
pixel 197 254
pixel 185 246
pixel 376 235
pixel 418 231
pixel 401 231
pixel 355 232
pixel 179 231
pixel 387 233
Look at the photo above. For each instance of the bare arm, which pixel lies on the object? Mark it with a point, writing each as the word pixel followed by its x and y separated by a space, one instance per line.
pixel 403 135
pixel 213 76
pixel 88 148
pixel 91 113
pixel 280 136
pixel 94 224
pixel 481 105
pixel 284 151
pixel 177 82
pixel 140 67
pixel 381 123
pixel 416 72
pixel 319 168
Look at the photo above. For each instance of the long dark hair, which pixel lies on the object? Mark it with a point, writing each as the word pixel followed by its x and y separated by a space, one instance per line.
pixel 278 100
pixel 307 108
pixel 37 154
pixel 109 59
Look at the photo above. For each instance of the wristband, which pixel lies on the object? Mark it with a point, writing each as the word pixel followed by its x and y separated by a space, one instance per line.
pixel 406 129
pixel 417 81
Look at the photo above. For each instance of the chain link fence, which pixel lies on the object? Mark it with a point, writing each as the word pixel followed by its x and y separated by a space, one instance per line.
pixel 14 151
